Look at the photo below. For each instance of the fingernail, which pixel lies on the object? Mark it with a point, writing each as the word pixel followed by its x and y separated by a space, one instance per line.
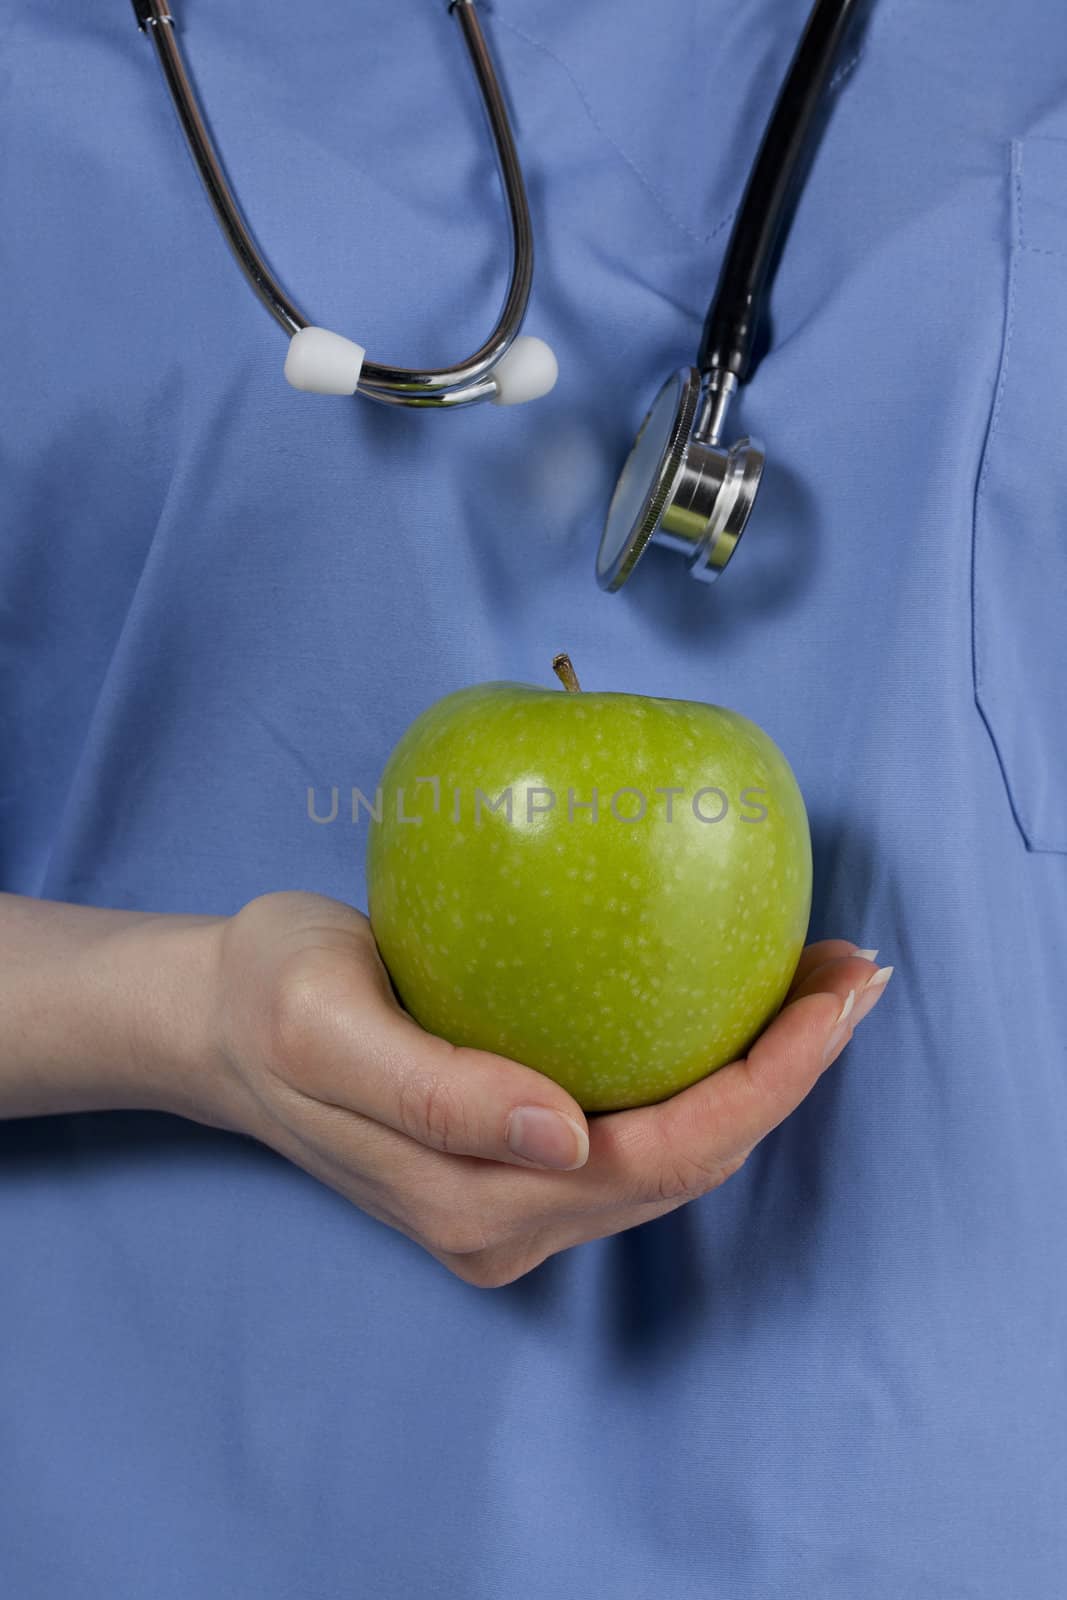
pixel 549 1138
pixel 871 993
pixel 840 1028
pixel 868 955
pixel 846 1010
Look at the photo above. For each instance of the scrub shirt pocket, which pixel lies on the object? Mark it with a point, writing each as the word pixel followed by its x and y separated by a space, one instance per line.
pixel 1020 519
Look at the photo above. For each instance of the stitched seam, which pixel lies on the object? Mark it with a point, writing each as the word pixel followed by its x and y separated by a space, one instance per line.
pixel 989 438
pixel 838 77
pixel 1009 328
pixel 628 160
pixel 1016 249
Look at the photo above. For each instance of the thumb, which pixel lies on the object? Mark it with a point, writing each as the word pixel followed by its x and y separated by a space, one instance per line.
pixel 378 1062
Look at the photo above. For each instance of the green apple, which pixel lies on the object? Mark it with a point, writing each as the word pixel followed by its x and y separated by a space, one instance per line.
pixel 610 888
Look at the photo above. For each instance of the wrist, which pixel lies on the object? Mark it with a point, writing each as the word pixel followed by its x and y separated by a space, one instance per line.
pixel 167 969
pixel 104 1010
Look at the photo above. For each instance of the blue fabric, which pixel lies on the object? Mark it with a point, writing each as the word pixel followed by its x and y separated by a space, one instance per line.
pixel 843 1373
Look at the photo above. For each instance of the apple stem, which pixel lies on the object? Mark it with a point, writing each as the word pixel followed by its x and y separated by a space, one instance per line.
pixel 563 667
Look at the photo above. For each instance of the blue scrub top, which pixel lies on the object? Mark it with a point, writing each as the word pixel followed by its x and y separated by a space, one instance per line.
pixel 843 1373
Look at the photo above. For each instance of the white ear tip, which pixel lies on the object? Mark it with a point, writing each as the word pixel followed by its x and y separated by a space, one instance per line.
pixel 321 362
pixel 526 371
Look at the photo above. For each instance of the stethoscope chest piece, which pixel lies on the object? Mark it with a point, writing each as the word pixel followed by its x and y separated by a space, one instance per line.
pixel 679 488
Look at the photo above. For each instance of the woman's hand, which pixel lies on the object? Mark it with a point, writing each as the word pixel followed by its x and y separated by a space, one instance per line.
pixel 315 1058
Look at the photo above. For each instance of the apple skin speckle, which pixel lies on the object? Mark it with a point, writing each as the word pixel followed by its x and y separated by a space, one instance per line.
pixel 691 929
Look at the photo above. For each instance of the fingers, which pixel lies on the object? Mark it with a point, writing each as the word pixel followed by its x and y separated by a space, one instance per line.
pixel 868 981
pixel 646 1163
pixel 473 1102
pixel 339 1042
pixel 420 1104
pixel 351 1050
pixel 815 956
pixel 700 1136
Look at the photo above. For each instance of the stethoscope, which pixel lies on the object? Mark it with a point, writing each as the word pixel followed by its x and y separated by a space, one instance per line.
pixel 680 486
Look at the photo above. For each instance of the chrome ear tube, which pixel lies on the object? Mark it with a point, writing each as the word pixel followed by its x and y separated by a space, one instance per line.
pixel 509 368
